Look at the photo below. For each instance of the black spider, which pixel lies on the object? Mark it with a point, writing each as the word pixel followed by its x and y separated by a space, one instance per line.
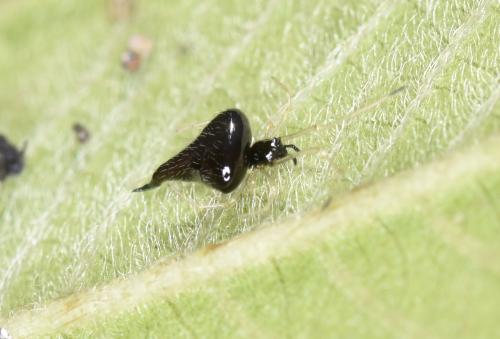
pixel 221 154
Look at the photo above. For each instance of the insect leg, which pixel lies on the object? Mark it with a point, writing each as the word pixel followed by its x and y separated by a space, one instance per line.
pixel 283 110
pixel 368 106
pixel 295 148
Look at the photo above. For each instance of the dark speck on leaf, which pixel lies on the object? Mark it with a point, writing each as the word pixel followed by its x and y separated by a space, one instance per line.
pixel 11 159
pixel 81 132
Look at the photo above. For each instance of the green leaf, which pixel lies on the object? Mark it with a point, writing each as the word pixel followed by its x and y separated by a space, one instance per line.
pixel 69 222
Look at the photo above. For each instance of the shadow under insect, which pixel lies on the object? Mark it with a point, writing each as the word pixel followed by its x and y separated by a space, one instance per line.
pixel 220 156
pixel 11 159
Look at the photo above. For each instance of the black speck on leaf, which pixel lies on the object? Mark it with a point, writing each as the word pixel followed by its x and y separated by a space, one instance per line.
pixel 11 159
pixel 81 132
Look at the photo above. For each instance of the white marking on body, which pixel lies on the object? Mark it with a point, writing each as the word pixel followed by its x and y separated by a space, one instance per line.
pixel 226 173
pixel 269 156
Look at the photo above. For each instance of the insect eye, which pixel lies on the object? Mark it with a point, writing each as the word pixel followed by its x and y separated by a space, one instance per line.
pixel 226 173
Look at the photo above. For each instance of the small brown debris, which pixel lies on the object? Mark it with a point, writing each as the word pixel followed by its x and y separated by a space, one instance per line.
pixel 138 49
pixel 131 61
pixel 140 45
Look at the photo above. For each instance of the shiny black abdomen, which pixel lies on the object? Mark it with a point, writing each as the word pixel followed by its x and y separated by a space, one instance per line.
pixel 216 156
pixel 224 142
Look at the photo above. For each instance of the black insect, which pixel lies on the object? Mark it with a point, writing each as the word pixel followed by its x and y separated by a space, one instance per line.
pixel 11 159
pixel 221 154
